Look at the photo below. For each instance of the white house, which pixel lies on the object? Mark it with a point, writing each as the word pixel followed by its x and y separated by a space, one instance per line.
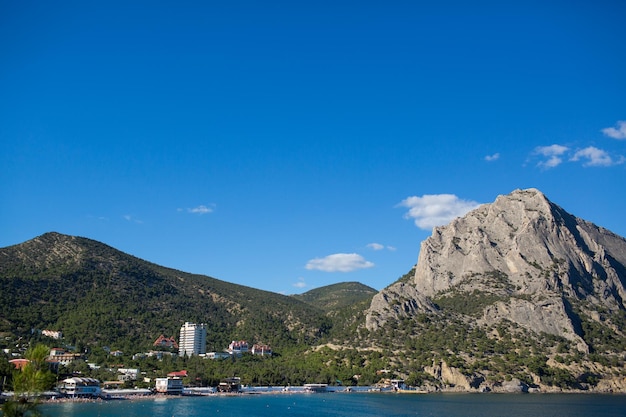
pixel 217 355
pixel 128 374
pixel 261 349
pixel 237 347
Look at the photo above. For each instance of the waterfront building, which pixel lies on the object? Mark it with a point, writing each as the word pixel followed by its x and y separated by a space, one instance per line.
pixel 232 384
pixel 80 387
pixel 169 385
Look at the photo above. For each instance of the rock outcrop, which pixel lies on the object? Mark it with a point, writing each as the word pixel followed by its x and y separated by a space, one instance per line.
pixel 527 257
pixel 452 376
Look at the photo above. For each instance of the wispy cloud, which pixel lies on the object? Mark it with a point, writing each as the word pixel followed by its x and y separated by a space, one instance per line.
pixel 131 219
pixel 300 283
pixel 201 209
pixel 432 210
pixel 339 262
pixel 590 156
pixel 494 157
pixel 595 157
pixel 99 218
pixel 553 153
pixel 378 246
pixel 616 133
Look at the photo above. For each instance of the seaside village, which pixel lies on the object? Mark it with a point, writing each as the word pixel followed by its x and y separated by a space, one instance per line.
pixel 192 341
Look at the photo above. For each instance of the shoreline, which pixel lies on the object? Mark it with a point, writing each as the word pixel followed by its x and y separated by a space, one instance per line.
pixel 279 391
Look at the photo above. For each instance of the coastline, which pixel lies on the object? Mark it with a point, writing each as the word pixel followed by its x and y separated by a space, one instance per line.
pixel 300 391
pixel 341 404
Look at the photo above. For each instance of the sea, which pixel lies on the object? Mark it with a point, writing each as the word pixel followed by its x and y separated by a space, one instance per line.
pixel 351 405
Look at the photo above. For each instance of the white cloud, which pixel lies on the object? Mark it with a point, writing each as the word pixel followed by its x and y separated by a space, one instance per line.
pixel 589 156
pixel 201 209
pixel 378 246
pixel 553 153
pixel 594 157
pixel 493 157
pixel 339 262
pixel 300 283
pixel 436 209
pixel 619 133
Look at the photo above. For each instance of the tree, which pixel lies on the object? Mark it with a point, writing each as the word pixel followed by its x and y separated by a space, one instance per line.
pixel 20 407
pixel 28 383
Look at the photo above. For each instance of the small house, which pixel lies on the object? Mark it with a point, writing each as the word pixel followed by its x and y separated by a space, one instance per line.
pixel 238 346
pixel 260 349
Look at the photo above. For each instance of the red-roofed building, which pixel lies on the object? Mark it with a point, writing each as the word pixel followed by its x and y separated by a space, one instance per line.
pixel 60 356
pixel 238 346
pixel 177 374
pixel 19 363
pixel 166 342
pixel 260 349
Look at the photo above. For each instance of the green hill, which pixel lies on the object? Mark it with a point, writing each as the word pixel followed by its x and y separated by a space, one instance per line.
pixel 337 296
pixel 96 294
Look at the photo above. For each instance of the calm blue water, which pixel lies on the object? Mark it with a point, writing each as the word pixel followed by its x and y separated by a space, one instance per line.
pixel 354 404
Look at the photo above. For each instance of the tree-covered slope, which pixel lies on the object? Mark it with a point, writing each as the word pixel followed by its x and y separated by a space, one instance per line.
pixel 337 296
pixel 94 293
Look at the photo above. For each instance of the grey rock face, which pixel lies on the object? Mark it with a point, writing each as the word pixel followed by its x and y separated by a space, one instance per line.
pixel 525 250
pixel 397 301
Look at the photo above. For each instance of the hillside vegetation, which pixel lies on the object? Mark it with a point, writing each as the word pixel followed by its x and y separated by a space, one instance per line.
pixel 335 297
pixel 100 296
pixel 517 295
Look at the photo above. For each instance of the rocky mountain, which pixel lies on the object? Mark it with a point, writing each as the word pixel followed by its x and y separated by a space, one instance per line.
pixel 516 295
pixel 521 262
pixel 96 294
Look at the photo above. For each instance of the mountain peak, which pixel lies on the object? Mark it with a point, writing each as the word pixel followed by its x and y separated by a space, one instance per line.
pixel 525 252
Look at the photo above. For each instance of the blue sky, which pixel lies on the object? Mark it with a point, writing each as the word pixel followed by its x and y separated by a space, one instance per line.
pixel 291 145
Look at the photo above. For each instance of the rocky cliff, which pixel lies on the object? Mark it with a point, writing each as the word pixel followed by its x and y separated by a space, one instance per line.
pixel 522 259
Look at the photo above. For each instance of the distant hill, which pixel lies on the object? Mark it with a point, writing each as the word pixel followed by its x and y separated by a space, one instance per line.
pixel 337 296
pixel 94 293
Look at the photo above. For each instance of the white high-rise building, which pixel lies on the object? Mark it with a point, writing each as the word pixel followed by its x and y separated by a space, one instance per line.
pixel 192 339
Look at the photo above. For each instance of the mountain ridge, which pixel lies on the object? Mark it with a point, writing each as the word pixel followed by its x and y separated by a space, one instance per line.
pixel 517 288
pixel 89 275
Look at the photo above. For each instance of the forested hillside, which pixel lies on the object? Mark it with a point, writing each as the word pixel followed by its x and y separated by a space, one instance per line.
pixel 96 294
